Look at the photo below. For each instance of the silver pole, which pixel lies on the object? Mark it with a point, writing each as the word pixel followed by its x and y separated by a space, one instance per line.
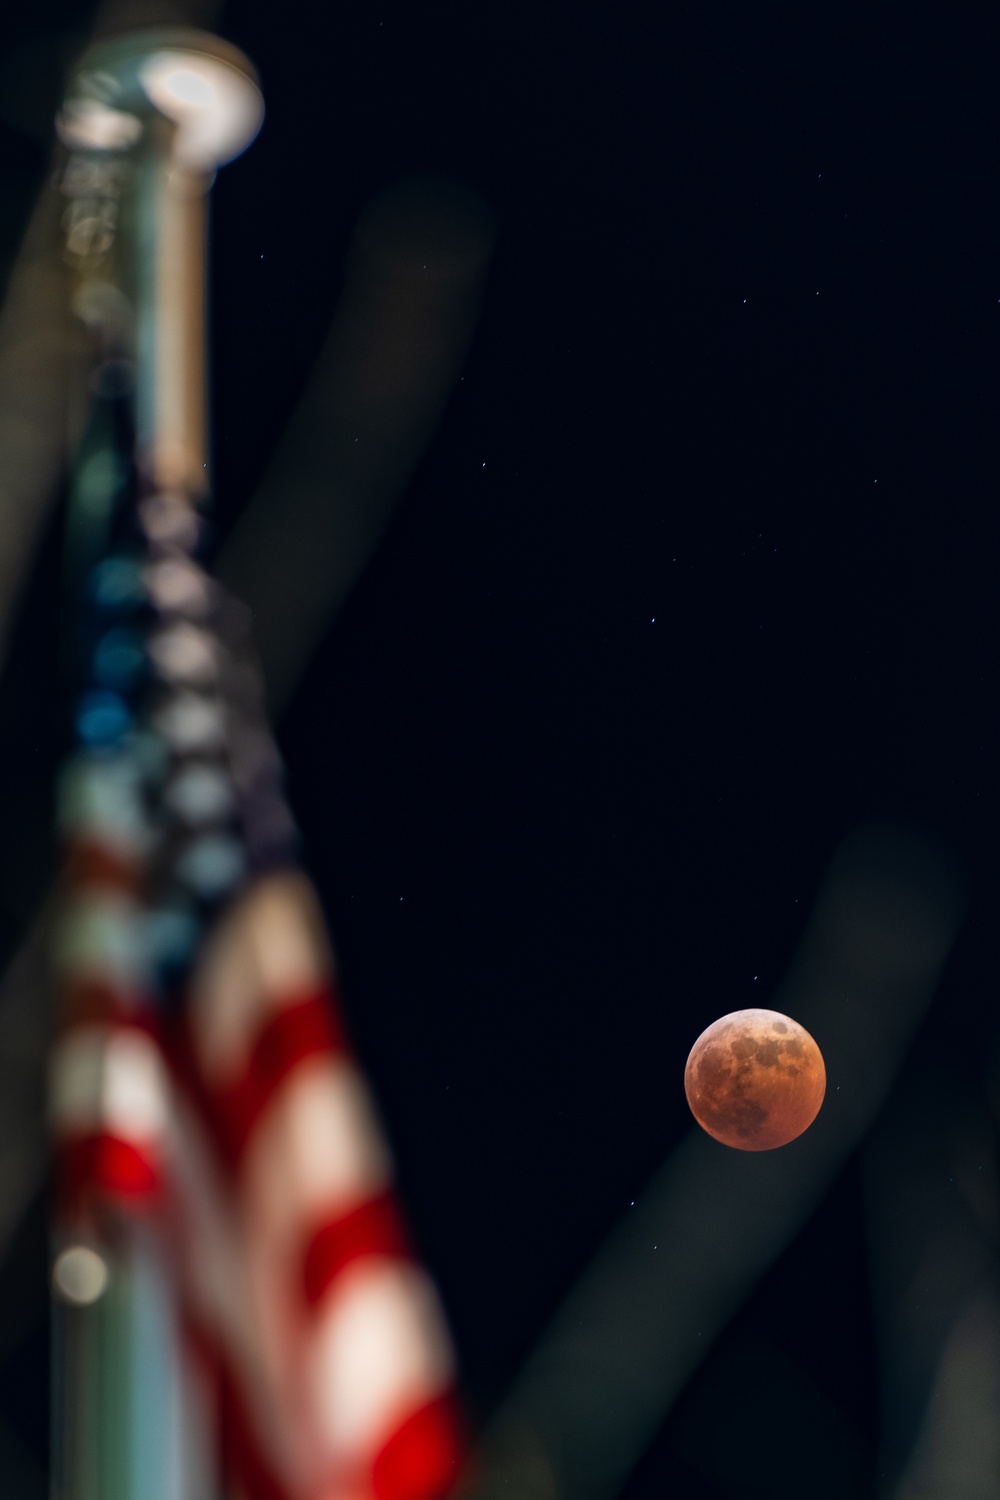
pixel 147 120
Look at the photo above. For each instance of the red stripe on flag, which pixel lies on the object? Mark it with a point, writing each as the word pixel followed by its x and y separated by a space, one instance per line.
pixel 421 1460
pixel 304 1028
pixel 295 1032
pixel 108 1164
pixel 374 1228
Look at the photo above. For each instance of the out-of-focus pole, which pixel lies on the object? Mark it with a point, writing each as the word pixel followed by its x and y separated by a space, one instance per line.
pixel 181 104
pixel 147 120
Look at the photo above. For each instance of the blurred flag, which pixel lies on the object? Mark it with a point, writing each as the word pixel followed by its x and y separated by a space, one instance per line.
pixel 243 1312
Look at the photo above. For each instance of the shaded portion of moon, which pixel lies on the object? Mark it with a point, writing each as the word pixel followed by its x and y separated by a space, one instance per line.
pixel 755 1080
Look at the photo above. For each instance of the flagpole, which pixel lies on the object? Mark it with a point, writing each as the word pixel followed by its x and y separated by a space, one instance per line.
pixel 147 120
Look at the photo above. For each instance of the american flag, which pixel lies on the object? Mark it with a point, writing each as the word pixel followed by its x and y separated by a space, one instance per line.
pixel 215 1136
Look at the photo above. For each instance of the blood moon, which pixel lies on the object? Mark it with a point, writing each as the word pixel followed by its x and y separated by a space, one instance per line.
pixel 755 1079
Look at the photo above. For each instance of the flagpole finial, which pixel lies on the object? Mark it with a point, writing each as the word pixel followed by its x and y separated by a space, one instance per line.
pixel 164 109
pixel 202 85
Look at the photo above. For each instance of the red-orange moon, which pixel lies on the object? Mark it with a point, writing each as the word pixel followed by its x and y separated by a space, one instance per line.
pixel 755 1079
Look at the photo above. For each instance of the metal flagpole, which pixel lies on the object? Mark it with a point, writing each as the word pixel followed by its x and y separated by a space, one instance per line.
pixel 147 120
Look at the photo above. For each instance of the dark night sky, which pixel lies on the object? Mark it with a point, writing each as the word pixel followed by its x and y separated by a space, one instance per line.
pixel 698 573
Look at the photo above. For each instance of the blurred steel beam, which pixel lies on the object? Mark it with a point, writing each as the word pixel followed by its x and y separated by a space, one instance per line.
pixel 931 1187
pixel 645 1313
pixel 956 1455
pixel 25 1029
pixel 399 337
pixel 41 370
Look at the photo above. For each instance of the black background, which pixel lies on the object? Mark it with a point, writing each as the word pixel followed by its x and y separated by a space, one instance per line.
pixel 698 573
